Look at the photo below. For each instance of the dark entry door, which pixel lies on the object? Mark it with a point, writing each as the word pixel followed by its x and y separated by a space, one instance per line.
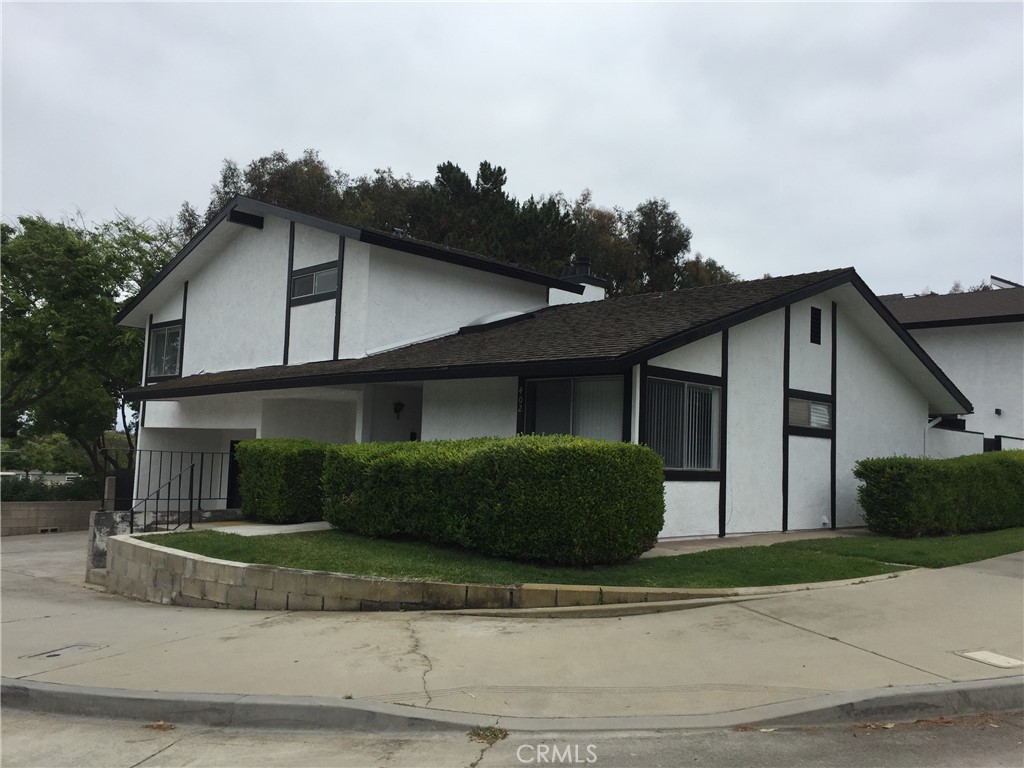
pixel 234 490
pixel 124 482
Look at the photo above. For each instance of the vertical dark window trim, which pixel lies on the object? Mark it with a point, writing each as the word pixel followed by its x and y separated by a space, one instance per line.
pixel 835 402
pixel 184 313
pixel 145 353
pixel 142 414
pixel 642 425
pixel 724 426
pixel 288 289
pixel 337 298
pixel 785 422
pixel 521 406
pixel 815 325
pixel 627 406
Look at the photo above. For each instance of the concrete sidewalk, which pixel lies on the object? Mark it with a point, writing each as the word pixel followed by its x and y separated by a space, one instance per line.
pixel 703 663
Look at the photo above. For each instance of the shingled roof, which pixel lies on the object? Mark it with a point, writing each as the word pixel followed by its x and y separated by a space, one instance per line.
pixel 999 305
pixel 605 336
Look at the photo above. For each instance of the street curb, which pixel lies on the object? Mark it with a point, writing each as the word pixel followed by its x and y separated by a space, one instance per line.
pixel 312 713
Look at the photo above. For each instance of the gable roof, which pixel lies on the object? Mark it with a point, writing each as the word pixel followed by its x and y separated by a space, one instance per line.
pixel 598 337
pixel 249 212
pixel 999 305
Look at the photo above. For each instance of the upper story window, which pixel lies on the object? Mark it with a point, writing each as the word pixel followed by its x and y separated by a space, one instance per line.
pixel 815 325
pixel 164 350
pixel 683 423
pixel 585 407
pixel 316 284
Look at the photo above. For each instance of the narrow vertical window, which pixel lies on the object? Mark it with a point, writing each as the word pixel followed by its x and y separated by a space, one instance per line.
pixel 815 325
pixel 165 351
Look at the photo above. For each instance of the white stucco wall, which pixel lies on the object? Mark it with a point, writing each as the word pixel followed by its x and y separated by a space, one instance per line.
pixel 810 365
pixel 590 293
pixel 313 246
pixel 236 303
pixel 324 420
pixel 469 408
pixel 412 298
pixel 878 413
pixel 702 356
pixel 754 450
pixel 949 443
pixel 354 300
pixel 810 482
pixel 987 363
pixel 311 333
pixel 691 509
pixel 241 411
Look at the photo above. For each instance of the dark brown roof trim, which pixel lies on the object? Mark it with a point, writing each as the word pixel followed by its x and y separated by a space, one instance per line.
pixel 993 320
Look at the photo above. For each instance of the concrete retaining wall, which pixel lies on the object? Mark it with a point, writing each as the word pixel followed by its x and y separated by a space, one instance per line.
pixel 24 517
pixel 160 575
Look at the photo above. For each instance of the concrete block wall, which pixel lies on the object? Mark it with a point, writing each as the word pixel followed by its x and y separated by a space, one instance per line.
pixel 24 517
pixel 158 574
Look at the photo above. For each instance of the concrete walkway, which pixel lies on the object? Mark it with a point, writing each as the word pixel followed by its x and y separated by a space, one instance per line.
pixel 905 631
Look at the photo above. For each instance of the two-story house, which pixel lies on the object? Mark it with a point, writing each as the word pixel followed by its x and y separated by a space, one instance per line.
pixel 759 395
pixel 978 339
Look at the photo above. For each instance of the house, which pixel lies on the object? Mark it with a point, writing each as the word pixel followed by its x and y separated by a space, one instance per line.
pixel 759 395
pixel 978 340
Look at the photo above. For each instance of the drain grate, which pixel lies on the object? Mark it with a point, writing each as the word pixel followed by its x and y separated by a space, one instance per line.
pixel 992 659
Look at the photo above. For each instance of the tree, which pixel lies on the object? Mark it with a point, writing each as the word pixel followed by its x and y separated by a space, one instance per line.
pixel 65 364
pixel 958 287
pixel 642 250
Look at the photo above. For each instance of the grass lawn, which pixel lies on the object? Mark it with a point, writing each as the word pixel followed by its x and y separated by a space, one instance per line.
pixel 792 562
pixel 340 552
pixel 935 552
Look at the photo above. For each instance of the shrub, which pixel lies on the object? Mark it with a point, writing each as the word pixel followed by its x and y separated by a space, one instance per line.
pixel 927 497
pixel 24 489
pixel 554 499
pixel 279 480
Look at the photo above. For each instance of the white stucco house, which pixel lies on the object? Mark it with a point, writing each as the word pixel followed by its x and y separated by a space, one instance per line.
pixel 759 395
pixel 978 340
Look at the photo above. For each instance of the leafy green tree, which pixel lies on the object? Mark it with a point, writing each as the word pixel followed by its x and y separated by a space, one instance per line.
pixel 64 362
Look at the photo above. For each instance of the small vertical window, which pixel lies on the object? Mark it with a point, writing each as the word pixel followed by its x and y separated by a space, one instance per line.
pixel 165 351
pixel 815 325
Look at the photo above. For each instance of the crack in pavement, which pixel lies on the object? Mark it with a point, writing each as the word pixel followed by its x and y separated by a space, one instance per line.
pixel 150 757
pixel 429 664
pixel 843 642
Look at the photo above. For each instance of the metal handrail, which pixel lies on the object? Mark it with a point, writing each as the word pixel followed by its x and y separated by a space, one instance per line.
pixel 156 513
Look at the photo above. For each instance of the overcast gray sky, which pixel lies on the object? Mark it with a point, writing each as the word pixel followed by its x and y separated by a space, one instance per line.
pixel 789 137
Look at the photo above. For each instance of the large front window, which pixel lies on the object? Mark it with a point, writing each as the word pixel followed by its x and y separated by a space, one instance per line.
pixel 683 423
pixel 586 407
pixel 164 350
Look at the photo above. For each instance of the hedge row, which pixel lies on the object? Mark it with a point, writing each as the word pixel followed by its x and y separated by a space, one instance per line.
pixel 280 480
pixel 927 497
pixel 25 489
pixel 552 499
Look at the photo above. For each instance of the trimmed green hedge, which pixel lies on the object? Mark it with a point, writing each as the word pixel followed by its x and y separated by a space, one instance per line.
pixel 24 489
pixel 927 497
pixel 553 499
pixel 279 479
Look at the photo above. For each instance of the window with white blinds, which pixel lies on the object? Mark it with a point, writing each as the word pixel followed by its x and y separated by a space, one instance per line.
pixel 585 407
pixel 809 413
pixel 683 423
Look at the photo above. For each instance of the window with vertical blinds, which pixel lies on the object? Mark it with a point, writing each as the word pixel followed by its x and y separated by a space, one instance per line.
pixel 585 407
pixel 683 423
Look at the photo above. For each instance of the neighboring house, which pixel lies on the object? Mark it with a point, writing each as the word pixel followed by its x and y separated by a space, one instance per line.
pixel 978 340
pixel 759 395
